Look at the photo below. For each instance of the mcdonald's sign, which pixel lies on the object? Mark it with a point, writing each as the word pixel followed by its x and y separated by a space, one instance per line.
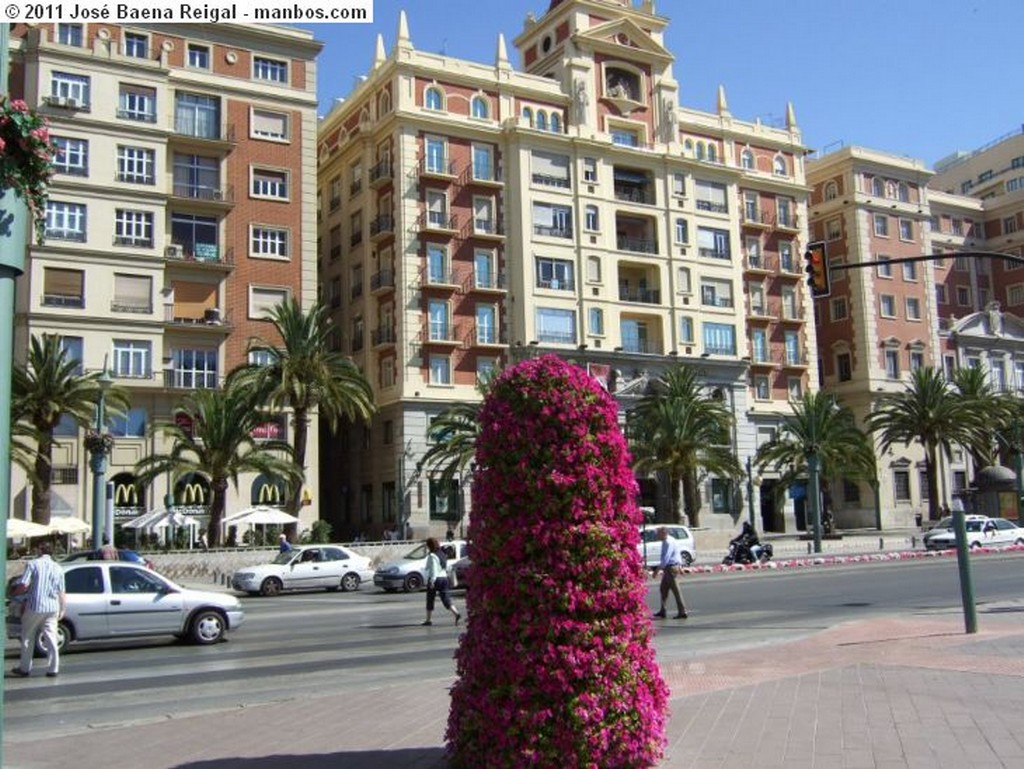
pixel 126 495
pixel 192 491
pixel 269 494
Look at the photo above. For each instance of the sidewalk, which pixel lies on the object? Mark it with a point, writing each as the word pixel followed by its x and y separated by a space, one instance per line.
pixel 883 693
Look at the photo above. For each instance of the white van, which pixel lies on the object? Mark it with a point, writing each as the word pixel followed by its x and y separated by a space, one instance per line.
pixel 650 545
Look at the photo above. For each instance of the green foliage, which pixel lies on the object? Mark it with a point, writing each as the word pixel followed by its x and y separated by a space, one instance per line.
pixel 319 533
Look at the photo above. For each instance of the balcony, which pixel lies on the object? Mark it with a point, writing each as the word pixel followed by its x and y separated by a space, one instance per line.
pixel 202 254
pixel 130 306
pixel 131 241
pixel 382 282
pixel 637 245
pixel 757 219
pixel 191 380
pixel 439 221
pixel 633 186
pixel 487 228
pixel 216 197
pixel 556 337
pixel 134 178
pixel 486 337
pixel 713 207
pixel 382 227
pixel 433 278
pixel 441 334
pixel 641 346
pixel 760 310
pixel 640 295
pixel 790 223
pixel 438 168
pixel 384 337
pixel 485 283
pixel 714 253
pixel 381 173
pixel 136 116
pixel 66 301
pixel 188 132
pixel 714 350
pixel 713 300
pixel 794 359
pixel 548 180
pixel 549 231
pixel 762 358
pixel 791 313
pixel 760 263
pixel 485 177
pixel 213 320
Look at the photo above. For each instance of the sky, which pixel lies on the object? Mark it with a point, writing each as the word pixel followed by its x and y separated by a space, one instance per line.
pixel 921 78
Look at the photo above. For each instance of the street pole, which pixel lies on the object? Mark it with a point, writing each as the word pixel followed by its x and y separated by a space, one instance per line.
pixel 13 244
pixel 963 562
pixel 1019 467
pixel 878 503
pixel 98 460
pixel 750 494
pixel 814 493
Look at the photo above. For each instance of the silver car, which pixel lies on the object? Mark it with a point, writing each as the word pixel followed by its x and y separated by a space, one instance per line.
pixel 407 572
pixel 109 600
pixel 324 567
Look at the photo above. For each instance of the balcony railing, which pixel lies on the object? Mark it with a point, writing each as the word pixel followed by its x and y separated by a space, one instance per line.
pixel 132 241
pixel 383 336
pixel 381 172
pixel 382 281
pixel 382 225
pixel 556 284
pixel 630 194
pixel 708 205
pixel 195 129
pixel 70 301
pixel 437 166
pixel 547 180
pixel 557 337
pixel 199 192
pixel 487 227
pixel 441 332
pixel 552 232
pixel 717 301
pixel 642 295
pixel 136 115
pixel 191 380
pixel 639 245
pixel 715 350
pixel 641 346
pixel 439 278
pixel 714 253
pixel 439 220
pixel 129 306
pixel 486 282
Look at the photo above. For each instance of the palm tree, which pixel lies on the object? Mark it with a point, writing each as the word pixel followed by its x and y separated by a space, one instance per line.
pixel 932 413
pixel 681 431
pixel 211 434
pixel 973 385
pixel 48 387
pixel 304 374
pixel 818 425
pixel 453 435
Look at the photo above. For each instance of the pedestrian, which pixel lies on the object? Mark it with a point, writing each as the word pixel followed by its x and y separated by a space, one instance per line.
pixel 449 536
pixel 285 546
pixel 437 581
pixel 43 585
pixel 671 562
pixel 108 552
pixel 202 540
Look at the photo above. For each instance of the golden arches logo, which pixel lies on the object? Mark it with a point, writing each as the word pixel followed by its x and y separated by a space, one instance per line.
pixel 126 495
pixel 193 494
pixel 269 494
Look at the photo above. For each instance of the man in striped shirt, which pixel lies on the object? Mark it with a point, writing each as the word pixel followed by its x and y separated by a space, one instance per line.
pixel 43 585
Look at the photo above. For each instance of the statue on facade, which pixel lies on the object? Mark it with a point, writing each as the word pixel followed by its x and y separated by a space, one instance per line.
pixel 581 100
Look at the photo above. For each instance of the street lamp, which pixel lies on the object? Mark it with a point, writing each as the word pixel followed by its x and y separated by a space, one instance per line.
pixel 99 443
pixel 752 481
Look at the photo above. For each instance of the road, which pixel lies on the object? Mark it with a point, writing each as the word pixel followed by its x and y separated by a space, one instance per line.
pixel 295 647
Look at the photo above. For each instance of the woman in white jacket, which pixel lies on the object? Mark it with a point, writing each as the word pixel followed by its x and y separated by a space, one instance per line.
pixel 437 581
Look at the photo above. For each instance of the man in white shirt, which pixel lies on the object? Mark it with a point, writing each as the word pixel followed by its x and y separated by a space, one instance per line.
pixel 43 583
pixel 671 560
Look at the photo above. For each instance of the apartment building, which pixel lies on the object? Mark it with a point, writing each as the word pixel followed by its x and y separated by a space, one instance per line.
pixel 182 208
pixel 472 214
pixel 884 321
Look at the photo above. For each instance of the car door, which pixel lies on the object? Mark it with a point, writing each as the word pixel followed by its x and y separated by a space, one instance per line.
pixel 334 565
pixel 306 571
pixel 1004 533
pixel 87 600
pixel 141 603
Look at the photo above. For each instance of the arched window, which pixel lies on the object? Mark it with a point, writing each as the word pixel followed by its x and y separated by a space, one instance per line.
pixel 904 193
pixel 831 191
pixel 556 124
pixel 700 150
pixel 542 121
pixel 712 153
pixel 528 116
pixel 878 187
pixel 747 159
pixel 480 108
pixel 384 104
pixel 780 165
pixel 433 98
pixel 688 145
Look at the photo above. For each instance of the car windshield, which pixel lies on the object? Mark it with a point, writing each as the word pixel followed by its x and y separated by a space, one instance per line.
pixel 416 554
pixel 284 558
pixel 974 525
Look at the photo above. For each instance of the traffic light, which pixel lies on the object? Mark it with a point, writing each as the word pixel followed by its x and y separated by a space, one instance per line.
pixel 816 266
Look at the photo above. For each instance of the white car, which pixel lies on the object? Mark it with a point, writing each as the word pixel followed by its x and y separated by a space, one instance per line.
pixel 981 532
pixel 109 600
pixel 306 567
pixel 650 545
pixel 407 572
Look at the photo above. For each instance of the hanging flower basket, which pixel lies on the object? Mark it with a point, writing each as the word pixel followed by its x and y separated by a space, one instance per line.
pixel 99 443
pixel 26 157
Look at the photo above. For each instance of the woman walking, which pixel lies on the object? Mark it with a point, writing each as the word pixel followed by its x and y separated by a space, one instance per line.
pixel 437 581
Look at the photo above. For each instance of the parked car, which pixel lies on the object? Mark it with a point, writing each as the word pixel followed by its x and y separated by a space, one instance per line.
pixel 407 572
pixel 981 532
pixel 123 554
pixel 946 523
pixel 460 573
pixel 650 546
pixel 109 600
pixel 331 567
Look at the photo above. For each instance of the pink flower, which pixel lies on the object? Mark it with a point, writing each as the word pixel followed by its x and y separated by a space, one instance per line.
pixel 18 105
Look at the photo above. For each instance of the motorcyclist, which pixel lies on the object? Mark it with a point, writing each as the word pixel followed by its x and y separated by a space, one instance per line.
pixel 746 541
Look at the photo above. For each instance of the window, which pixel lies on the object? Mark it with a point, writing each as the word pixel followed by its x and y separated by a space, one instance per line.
pixel 486 324
pixel 435 153
pixel 197 236
pixel 132 359
pixel 833 229
pixel 440 371
pixel 892 364
pixel 916 360
pixel 197 115
pixel 437 264
pixel 269 69
pixel 794 388
pixel 550 170
pixel 1015 294
pixel 555 325
pixel 437 311
pixel 838 309
pixel 437 209
pixel 686 330
pixel 262 299
pixel 762 389
pixel 844 367
pixel 542 120
pixel 747 160
pixel 940 294
pixel 791 342
pixel 591 221
pixel 682 232
pixel 1009 225
pixel 711 197
pixel 136 45
pixel 70 34
pixel 913 305
pixel 63 288
pixel 65 221
pixel 779 166
pixel 963 296
pixel 267 124
pixel 831 191
pixel 784 212
pixel 135 165
pixel 485 368
pixel 719 339
pixel 589 170
pixel 433 98
pixel 555 274
pixel 483 162
pixel 786 262
pixel 901 485
pixel 483 215
pixel 198 56
pixel 268 242
pixel 881 225
pixel 751 206
pixel 909 272
pixel 133 228
pixel 679 185
pixel 595 319
pixel 625 137
pixel 552 221
pixel 716 293
pixel 884 270
pixel 269 184
pixel 887 305
pixel 137 103
pixel 72 156
pixel 195 369
pixel 69 89
pixel 480 108
pixel 132 293
pixel 713 243
pixel 528 116
pixel 683 280
pixel 906 229
pixel 483 269
pixel 197 177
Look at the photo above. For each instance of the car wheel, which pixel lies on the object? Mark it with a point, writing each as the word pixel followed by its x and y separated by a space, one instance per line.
pixel 686 558
pixel 413 583
pixel 208 627
pixel 350 582
pixel 974 544
pixel 271 586
pixel 64 636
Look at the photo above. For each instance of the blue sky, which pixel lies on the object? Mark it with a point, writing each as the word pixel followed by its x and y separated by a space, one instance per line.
pixel 913 77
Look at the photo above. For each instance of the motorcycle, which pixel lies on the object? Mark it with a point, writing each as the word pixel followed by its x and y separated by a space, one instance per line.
pixel 744 553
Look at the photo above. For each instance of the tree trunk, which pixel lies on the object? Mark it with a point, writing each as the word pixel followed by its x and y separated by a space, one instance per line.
pixel 220 488
pixel 300 420
pixel 690 498
pixel 932 472
pixel 673 482
pixel 41 486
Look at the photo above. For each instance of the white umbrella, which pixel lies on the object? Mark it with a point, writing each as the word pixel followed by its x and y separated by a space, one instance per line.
pixel 19 528
pixel 265 516
pixel 175 519
pixel 261 510
pixel 67 525
pixel 147 520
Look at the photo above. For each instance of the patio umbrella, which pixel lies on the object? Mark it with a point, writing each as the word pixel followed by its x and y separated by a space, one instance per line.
pixel 262 515
pixel 67 525
pixel 18 528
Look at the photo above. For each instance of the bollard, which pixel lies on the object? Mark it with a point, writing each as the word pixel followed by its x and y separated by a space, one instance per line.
pixel 913 542
pixel 881 544
pixel 808 548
